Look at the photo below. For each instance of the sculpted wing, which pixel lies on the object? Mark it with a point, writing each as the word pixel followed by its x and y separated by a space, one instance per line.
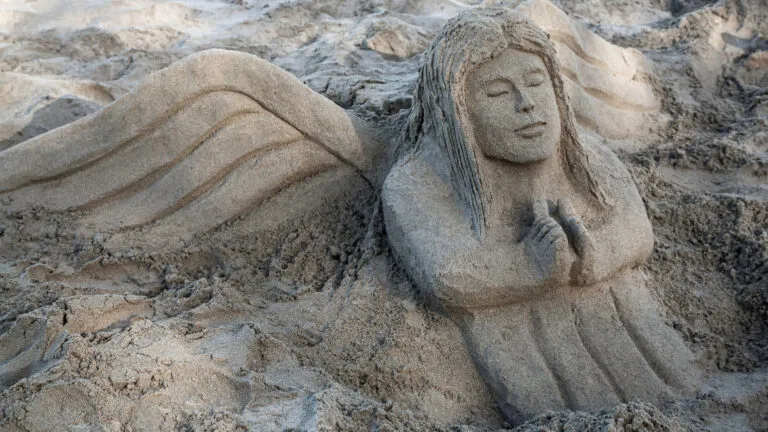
pixel 195 145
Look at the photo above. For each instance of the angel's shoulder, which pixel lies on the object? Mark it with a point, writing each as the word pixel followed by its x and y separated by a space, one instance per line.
pixel 413 178
pixel 418 199
pixel 608 169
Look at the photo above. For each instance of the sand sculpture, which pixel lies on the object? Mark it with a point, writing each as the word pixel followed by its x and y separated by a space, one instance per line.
pixel 219 133
pixel 524 234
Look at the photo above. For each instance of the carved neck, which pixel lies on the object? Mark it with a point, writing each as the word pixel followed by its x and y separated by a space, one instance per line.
pixel 514 186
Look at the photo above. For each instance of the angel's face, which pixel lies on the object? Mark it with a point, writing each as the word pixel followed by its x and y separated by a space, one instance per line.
pixel 513 109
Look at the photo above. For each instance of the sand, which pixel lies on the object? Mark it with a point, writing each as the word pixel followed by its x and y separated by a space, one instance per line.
pixel 309 324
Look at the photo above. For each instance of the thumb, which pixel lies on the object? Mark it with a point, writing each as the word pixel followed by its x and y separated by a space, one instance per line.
pixel 567 216
pixel 540 209
pixel 565 210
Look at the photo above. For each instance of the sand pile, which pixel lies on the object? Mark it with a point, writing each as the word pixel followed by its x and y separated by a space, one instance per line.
pixel 308 323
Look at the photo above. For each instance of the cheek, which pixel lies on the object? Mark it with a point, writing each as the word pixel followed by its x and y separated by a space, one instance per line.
pixel 548 103
pixel 497 113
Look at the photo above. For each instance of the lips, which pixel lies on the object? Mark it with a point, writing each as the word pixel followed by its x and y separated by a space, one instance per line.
pixel 532 130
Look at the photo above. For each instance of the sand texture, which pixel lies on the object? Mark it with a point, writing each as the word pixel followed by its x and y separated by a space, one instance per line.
pixel 146 287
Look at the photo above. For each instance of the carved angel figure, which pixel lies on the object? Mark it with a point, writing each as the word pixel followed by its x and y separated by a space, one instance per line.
pixel 527 236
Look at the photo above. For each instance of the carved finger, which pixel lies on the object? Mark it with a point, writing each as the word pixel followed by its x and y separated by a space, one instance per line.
pixel 585 249
pixel 567 216
pixel 565 210
pixel 574 227
pixel 535 230
pixel 581 240
pixel 555 227
pixel 561 248
pixel 540 209
pixel 550 238
pixel 548 226
pixel 554 234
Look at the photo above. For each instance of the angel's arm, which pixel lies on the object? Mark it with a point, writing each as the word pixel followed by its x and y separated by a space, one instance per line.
pixel 620 238
pixel 625 240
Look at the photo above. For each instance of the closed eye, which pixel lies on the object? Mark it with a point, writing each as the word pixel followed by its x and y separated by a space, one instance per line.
pixel 535 79
pixel 496 92
pixel 497 88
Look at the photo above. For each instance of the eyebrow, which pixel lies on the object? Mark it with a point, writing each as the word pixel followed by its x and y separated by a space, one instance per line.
pixel 496 77
pixel 534 70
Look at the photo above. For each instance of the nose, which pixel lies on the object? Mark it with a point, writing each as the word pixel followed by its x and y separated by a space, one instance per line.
pixel 524 102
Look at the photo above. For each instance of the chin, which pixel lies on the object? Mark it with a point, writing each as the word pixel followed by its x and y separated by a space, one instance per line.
pixel 529 158
pixel 535 153
pixel 519 150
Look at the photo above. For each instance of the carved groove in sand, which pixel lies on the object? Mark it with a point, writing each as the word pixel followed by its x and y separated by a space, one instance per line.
pixel 196 145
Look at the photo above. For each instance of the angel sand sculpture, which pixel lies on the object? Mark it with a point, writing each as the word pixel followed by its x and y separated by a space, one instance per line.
pixel 525 235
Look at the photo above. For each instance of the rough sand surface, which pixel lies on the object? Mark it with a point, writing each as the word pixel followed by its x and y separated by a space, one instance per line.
pixel 310 324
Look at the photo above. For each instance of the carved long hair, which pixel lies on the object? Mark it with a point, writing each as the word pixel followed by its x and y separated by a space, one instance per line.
pixel 439 106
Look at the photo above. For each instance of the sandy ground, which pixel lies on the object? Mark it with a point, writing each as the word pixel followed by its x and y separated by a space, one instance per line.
pixel 312 326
